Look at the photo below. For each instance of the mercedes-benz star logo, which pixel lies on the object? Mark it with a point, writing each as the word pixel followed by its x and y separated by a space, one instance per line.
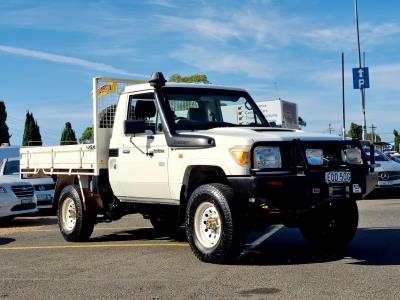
pixel 384 176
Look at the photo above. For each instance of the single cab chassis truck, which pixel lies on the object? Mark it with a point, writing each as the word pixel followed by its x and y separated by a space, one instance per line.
pixel 175 154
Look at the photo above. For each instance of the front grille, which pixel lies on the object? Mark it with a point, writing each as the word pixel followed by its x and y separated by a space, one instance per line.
pixel 44 187
pixel 293 155
pixel 23 191
pixel 24 206
pixel 44 202
pixel 389 175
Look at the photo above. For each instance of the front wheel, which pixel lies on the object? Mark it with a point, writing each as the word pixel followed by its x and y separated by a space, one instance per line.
pixel 213 227
pixel 331 226
pixel 76 224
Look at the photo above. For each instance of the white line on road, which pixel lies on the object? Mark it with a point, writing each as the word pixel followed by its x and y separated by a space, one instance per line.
pixel 267 234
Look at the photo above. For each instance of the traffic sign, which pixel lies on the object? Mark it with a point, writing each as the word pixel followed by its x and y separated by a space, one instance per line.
pixel 360 78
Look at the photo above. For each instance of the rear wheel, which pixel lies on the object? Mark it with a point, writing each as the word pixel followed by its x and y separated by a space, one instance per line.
pixel 331 226
pixel 76 224
pixel 213 228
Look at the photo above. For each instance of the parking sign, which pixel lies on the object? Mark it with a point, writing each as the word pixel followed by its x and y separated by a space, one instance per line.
pixel 360 78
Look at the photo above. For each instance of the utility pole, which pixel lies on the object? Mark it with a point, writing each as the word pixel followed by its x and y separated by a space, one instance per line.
pixel 362 90
pixel 373 127
pixel 343 101
pixel 330 128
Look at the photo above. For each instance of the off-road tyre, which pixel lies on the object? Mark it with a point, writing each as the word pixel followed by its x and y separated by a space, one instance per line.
pixel 84 220
pixel 331 226
pixel 218 198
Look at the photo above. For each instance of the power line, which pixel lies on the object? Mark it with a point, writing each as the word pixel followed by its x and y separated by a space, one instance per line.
pixel 330 129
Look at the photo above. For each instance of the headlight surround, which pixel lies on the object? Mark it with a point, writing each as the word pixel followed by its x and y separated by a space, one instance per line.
pixel 352 156
pixel 267 157
pixel 2 190
pixel 315 157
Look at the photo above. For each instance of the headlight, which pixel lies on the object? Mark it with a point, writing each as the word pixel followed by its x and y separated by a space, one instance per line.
pixel 2 190
pixel 241 155
pixel 352 156
pixel 315 157
pixel 267 157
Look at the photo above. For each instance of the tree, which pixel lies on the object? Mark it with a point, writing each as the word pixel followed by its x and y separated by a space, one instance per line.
pixel 355 131
pixel 68 135
pixel 4 135
pixel 373 137
pixel 301 122
pixel 195 78
pixel 32 136
pixel 396 140
pixel 87 136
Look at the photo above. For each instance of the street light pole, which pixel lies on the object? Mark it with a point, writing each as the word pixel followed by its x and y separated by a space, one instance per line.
pixel 362 91
pixel 343 101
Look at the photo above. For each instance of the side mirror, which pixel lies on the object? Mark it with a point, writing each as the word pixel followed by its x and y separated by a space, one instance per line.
pixel 134 126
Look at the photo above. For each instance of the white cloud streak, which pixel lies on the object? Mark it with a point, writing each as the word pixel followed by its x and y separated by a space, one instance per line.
pixel 164 3
pixel 65 60
pixel 222 62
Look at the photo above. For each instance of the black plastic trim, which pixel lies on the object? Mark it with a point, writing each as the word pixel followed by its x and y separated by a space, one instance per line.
pixel 113 152
pixel 174 139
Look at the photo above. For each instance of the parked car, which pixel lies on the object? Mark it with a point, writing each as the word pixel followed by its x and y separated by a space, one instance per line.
pixel 16 198
pixel 388 170
pixel 44 187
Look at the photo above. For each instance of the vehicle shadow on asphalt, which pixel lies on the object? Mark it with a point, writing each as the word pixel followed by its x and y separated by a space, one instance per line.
pixel 5 241
pixel 370 246
pixel 388 193
pixel 140 234
pixel 29 222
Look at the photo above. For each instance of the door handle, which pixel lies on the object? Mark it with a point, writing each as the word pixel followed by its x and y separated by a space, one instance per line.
pixel 126 151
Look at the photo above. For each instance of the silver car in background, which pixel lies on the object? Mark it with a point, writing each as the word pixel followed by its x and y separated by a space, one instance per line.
pixel 16 198
pixel 44 187
pixel 388 170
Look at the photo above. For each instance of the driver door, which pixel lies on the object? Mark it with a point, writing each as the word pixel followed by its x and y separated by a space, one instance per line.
pixel 142 163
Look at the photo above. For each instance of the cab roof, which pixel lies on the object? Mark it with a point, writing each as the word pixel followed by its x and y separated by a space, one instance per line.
pixel 147 86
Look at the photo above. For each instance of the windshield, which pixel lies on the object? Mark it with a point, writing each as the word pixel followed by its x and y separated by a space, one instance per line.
pixel 11 167
pixel 203 108
pixel 379 156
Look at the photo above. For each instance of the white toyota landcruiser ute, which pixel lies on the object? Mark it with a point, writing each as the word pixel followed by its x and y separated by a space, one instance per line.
pixel 176 154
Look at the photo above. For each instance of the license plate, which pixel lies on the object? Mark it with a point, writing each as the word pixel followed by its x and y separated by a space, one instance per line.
pixel 25 201
pixel 43 197
pixel 338 177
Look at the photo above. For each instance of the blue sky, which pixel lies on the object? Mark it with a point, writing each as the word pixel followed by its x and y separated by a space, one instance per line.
pixel 50 50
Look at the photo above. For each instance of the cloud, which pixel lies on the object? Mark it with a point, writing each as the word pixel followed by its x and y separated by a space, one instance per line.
pixel 344 37
pixel 164 3
pixel 201 26
pixel 222 62
pixel 66 60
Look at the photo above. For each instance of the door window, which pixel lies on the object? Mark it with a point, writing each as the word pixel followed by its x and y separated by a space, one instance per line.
pixel 143 107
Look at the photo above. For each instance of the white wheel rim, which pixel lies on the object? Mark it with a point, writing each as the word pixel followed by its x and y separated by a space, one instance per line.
pixel 68 214
pixel 207 225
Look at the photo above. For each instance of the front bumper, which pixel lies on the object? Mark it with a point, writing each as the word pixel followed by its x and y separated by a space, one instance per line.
pixel 294 192
pixel 13 206
pixel 44 198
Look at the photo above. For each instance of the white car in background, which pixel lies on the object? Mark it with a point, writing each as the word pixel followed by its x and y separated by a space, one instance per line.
pixel 44 187
pixel 16 198
pixel 388 170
